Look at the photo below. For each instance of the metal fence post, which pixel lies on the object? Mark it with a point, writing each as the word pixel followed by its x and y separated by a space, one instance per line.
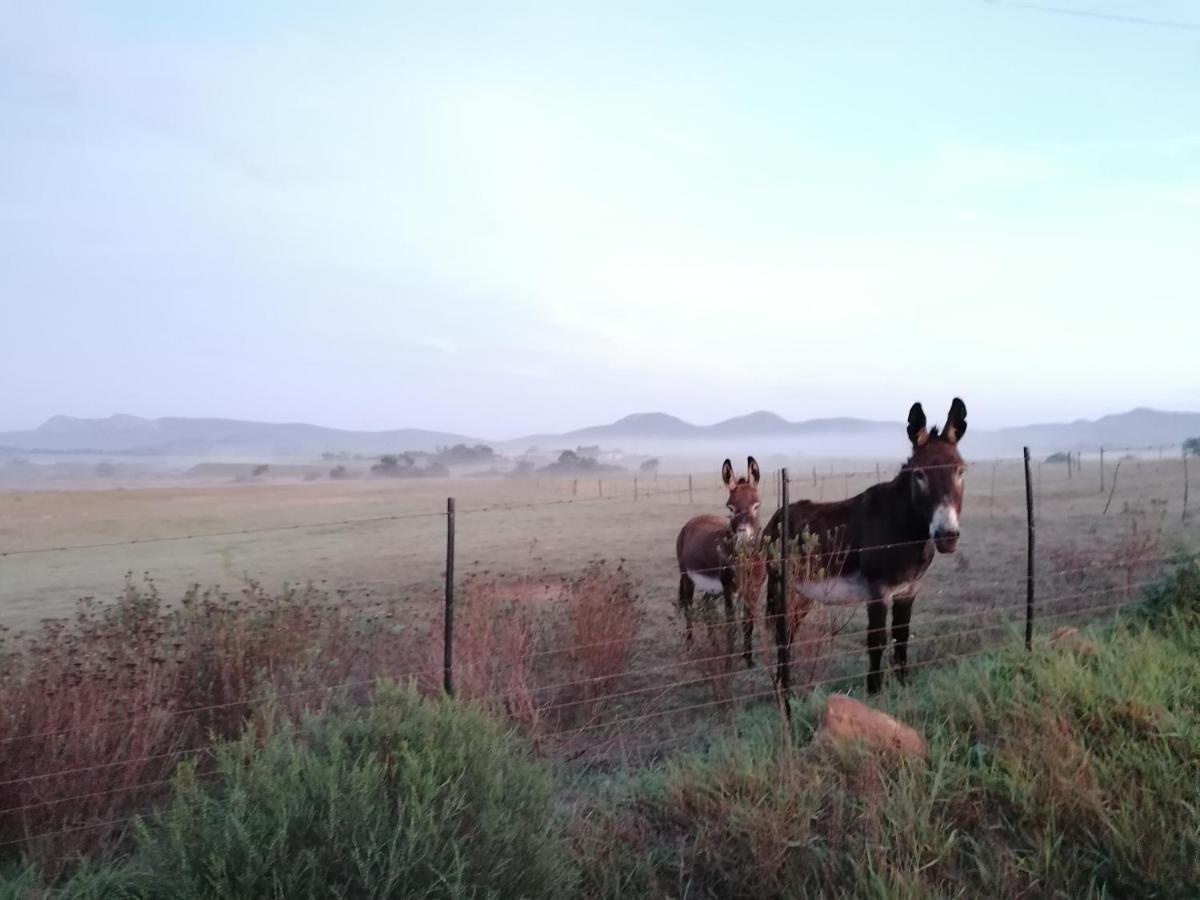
pixel 782 638
pixel 1183 517
pixel 1029 555
pixel 448 637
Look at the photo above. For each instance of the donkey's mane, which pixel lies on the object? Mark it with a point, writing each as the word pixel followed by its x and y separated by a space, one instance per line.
pixel 930 447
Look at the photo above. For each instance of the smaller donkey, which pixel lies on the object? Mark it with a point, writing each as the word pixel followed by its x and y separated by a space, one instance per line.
pixel 707 549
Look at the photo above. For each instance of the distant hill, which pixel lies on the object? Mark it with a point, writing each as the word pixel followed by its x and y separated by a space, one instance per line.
pixel 758 432
pixel 1139 427
pixel 656 427
pixel 205 437
pixel 764 431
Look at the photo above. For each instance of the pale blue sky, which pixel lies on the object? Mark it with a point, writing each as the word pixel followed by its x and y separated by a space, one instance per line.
pixel 504 218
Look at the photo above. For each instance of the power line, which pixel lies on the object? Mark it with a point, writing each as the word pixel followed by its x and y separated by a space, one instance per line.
pixel 1102 16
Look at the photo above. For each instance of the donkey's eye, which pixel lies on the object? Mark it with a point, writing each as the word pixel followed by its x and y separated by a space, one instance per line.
pixel 921 478
pixel 962 470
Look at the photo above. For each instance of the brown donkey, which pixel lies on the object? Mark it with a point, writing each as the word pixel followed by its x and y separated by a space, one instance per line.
pixel 707 548
pixel 887 536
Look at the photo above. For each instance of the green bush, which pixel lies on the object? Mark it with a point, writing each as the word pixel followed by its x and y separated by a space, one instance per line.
pixel 409 797
pixel 1176 601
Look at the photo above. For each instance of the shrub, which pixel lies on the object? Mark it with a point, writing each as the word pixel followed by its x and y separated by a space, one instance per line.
pixel 410 797
pixel 603 622
pixel 495 638
pixel 1178 595
pixel 91 708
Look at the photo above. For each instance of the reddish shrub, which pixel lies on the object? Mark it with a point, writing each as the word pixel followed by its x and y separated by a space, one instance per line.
pixel 96 710
pixel 496 636
pixel 602 624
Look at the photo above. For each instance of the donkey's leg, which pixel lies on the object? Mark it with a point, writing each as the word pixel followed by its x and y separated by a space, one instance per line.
pixel 901 614
pixel 876 641
pixel 687 590
pixel 728 583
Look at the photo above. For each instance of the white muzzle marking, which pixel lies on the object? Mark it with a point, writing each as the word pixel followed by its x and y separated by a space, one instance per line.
pixel 945 519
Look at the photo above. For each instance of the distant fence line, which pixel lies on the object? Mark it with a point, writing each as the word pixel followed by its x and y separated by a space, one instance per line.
pixel 637 493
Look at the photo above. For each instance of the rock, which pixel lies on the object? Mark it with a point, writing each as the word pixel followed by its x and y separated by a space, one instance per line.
pixel 846 720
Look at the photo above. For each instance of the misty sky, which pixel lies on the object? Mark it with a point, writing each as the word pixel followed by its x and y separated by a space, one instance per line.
pixel 505 218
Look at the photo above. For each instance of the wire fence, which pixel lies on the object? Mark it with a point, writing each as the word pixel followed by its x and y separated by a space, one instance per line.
pixel 597 671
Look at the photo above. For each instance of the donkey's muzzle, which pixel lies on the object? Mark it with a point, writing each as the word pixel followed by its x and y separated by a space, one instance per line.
pixel 945 541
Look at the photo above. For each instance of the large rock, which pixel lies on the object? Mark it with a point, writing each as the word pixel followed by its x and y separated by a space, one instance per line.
pixel 847 720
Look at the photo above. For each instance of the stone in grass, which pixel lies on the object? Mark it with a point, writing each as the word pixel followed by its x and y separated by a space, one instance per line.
pixel 846 720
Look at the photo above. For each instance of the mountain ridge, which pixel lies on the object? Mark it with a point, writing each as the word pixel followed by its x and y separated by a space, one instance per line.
pixel 124 433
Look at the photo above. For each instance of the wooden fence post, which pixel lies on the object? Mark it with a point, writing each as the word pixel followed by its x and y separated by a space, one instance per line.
pixel 846 488
pixel 995 463
pixel 782 638
pixel 878 478
pixel 575 488
pixel 448 636
pixel 690 496
pixel 1102 470
pixel 814 476
pixel 1029 555
pixel 1113 490
pixel 599 487
pixel 635 490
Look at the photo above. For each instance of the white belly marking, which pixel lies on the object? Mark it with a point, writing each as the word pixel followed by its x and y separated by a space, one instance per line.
pixel 852 589
pixel 706 583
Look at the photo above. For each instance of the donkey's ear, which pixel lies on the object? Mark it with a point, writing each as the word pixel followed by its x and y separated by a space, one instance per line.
pixel 727 473
pixel 752 469
pixel 916 425
pixel 956 422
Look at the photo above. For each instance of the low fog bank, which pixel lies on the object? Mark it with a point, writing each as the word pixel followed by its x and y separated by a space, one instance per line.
pixel 223 451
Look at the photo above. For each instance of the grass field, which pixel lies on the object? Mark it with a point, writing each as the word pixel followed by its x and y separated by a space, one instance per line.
pixel 524 538
pixel 560 533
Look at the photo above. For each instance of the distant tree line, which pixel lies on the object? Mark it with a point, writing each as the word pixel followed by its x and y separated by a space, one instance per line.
pixel 571 463
pixel 404 465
